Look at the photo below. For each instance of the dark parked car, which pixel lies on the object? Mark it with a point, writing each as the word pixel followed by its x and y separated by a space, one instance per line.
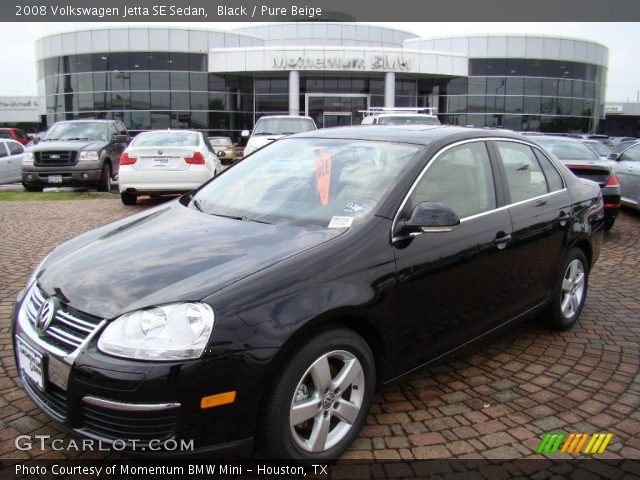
pixel 266 307
pixel 585 163
pixel 76 153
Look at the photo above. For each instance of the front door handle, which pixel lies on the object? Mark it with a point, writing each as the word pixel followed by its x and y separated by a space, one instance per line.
pixel 501 240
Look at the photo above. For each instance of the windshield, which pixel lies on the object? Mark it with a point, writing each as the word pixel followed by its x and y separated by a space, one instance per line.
pixel 600 148
pixel 77 131
pixel 408 120
pixel 308 181
pixel 568 150
pixel 166 139
pixel 283 126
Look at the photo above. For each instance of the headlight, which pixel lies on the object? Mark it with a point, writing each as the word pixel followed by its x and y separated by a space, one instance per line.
pixel 176 331
pixel 34 275
pixel 89 155
pixel 28 158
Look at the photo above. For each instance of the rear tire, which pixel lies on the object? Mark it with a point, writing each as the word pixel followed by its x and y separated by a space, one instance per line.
pixel 104 185
pixel 129 198
pixel 32 188
pixel 570 292
pixel 317 404
pixel 608 224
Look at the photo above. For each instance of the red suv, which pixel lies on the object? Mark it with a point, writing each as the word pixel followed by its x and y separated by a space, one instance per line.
pixel 15 134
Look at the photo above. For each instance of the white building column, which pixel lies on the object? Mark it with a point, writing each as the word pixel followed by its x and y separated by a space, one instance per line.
pixel 294 93
pixel 390 90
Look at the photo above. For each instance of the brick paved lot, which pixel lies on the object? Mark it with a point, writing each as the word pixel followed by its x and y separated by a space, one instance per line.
pixel 492 400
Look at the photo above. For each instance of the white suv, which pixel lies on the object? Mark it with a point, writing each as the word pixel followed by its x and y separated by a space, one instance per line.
pixel 268 129
pixel 399 116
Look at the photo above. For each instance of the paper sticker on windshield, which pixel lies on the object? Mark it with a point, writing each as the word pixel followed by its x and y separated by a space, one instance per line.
pixel 340 222
pixel 323 176
pixel 353 207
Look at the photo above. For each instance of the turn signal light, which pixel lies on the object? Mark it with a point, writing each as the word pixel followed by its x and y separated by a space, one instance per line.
pixel 126 159
pixel 218 399
pixel 196 159
pixel 612 182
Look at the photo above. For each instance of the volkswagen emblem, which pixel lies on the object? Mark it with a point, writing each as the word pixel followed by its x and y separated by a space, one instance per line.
pixel 159 152
pixel 55 157
pixel 45 315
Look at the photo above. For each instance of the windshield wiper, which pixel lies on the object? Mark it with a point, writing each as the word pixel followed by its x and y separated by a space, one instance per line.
pixel 256 221
pixel 77 138
pixel 197 205
pixel 264 133
pixel 233 217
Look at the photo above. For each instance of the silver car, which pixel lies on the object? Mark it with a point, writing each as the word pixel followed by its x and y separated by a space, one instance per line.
pixel 11 153
pixel 627 168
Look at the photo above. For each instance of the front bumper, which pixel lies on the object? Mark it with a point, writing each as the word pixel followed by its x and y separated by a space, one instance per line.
pixel 143 404
pixel 79 174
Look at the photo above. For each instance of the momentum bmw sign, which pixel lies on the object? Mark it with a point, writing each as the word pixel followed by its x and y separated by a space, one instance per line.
pixel 378 62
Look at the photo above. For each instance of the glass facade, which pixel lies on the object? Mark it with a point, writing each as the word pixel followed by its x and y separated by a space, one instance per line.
pixel 147 90
pixel 525 94
pixel 157 90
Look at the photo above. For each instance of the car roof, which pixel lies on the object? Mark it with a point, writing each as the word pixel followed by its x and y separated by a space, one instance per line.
pixel 285 116
pixel 169 130
pixel 559 138
pixel 416 134
pixel 92 120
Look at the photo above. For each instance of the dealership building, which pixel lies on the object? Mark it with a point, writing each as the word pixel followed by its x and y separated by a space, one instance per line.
pixel 222 81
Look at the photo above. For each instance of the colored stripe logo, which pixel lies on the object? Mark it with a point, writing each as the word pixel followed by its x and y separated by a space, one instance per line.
pixel 574 443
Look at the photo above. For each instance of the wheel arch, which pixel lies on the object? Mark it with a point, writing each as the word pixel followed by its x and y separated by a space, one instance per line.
pixel 584 245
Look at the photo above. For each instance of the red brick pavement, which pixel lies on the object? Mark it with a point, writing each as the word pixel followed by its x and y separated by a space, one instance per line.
pixel 492 400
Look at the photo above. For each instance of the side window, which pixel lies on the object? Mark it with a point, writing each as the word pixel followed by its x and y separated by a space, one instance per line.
pixel 524 175
pixel 23 135
pixel 631 155
pixel 15 148
pixel 121 128
pixel 112 130
pixel 3 150
pixel 460 178
pixel 554 180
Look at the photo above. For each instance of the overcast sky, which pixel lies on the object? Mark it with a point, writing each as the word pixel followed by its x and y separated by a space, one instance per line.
pixel 17 47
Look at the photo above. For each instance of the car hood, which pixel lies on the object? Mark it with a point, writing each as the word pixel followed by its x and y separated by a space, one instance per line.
pixel 72 145
pixel 170 254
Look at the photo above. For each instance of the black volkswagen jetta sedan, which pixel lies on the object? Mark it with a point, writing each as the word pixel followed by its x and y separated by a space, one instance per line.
pixel 264 309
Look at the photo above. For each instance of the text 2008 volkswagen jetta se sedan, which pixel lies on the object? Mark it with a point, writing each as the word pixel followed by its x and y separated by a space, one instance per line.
pixel 264 309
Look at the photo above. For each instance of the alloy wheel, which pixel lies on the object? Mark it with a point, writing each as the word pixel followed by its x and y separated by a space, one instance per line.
pixel 327 401
pixel 573 285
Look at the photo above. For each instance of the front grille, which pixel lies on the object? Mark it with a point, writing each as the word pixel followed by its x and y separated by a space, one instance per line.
pixel 55 158
pixel 139 426
pixel 68 329
pixel 53 398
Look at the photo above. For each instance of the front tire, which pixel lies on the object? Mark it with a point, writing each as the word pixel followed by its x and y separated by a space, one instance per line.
pixel 128 198
pixel 32 188
pixel 104 185
pixel 319 402
pixel 570 291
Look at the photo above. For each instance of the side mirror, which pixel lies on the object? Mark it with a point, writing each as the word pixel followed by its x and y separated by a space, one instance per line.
pixel 432 217
pixel 35 140
pixel 220 153
pixel 245 133
pixel 614 156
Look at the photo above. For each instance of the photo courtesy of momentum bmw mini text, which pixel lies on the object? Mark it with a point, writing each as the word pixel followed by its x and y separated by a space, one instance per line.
pixel 319 239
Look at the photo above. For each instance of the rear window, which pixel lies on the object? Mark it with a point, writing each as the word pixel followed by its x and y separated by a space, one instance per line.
pixel 219 141
pixel 408 120
pixel 4 134
pixel 569 150
pixel 283 126
pixel 166 139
